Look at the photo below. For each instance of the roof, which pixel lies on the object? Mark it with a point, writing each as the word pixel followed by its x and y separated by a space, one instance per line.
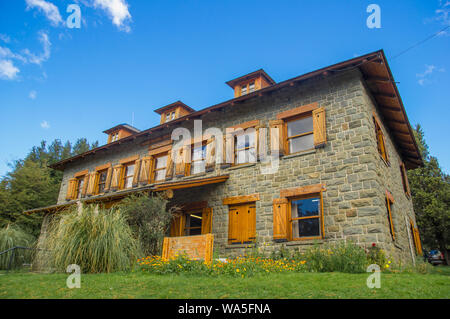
pixel 377 73
pixel 175 104
pixel 123 127
pixel 249 76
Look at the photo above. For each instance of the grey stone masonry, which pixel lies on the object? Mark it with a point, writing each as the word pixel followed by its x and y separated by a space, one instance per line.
pixel 349 165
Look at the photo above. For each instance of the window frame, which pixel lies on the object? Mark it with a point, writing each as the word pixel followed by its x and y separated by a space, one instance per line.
pixel 286 131
pixel 236 206
pixel 246 149
pixel 185 216
pixel 154 169
pixel 192 148
pixel 98 183
pixel 246 85
pixel 319 216
pixel 381 141
pixel 80 186
pixel 389 201
pixel 124 177
pixel 405 181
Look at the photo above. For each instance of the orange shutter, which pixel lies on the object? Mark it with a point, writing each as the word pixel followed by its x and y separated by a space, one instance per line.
pixel 319 127
pixel 182 159
pixel 210 155
pixel 207 220
pixel 405 179
pixel 91 185
pixel 229 149
pixel 262 143
pixel 169 169
pixel 250 228
pixel 115 180
pixel 280 219
pixel 144 174
pixel 137 168
pixel 85 185
pixel 108 178
pixel 391 222
pixel 71 189
pixel 233 224
pixel 278 137
pixel 177 225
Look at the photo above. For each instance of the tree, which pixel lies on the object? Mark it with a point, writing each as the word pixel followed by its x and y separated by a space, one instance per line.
pixel 31 183
pixel 430 191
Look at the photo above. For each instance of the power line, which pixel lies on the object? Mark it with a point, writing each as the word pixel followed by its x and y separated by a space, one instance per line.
pixel 420 42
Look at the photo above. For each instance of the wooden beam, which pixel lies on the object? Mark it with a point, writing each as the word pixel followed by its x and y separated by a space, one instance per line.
pixel 391 96
pixel 378 79
pixel 191 183
pixel 304 190
pixel 241 199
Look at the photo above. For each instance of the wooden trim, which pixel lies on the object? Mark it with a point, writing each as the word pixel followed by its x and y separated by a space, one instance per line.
pixel 160 144
pixel 81 173
pixel 390 197
pixel 246 125
pixel 159 150
pixel 191 183
pixel 304 190
pixel 241 199
pixel 103 167
pixel 298 111
pixel 129 159
pixel 194 206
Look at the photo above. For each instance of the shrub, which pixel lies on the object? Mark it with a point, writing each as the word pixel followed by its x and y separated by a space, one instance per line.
pixel 376 255
pixel 149 220
pixel 12 236
pixel 342 257
pixel 96 240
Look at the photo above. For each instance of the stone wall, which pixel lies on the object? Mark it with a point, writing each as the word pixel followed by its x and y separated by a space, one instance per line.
pixel 349 165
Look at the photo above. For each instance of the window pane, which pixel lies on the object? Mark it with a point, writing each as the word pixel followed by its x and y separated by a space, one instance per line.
pixel 301 143
pixel 80 187
pixel 251 87
pixel 245 140
pixel 130 170
pixel 300 126
pixel 161 162
pixel 160 175
pixel 305 228
pixel 197 167
pixel 244 90
pixel 199 153
pixel 246 156
pixel 128 182
pixel 305 207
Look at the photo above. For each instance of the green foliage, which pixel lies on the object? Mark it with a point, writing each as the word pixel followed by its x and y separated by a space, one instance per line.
pixel 96 240
pixel 31 184
pixel 341 257
pixel 430 191
pixel 12 236
pixel 149 220
pixel 376 255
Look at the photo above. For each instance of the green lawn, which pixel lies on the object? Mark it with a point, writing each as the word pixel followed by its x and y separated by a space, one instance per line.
pixel 287 285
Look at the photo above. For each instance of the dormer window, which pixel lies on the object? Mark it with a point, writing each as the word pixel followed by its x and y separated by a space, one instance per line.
pixel 173 111
pixel 114 137
pixel 120 131
pixel 250 83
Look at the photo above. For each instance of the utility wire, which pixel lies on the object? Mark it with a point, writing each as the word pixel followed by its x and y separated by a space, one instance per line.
pixel 420 42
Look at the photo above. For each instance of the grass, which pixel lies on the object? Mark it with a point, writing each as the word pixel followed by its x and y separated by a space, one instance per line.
pixel 281 285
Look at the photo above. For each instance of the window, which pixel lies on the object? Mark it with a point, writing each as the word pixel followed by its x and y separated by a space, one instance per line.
pixel 416 237
pixel 160 168
pixel 102 176
pixel 198 159
pixel 80 185
pixel 193 224
pixel 305 218
pixel 251 87
pixel 243 89
pixel 242 223
pixel 128 174
pixel 300 135
pixel 114 137
pixel 381 145
pixel 389 203
pixel 170 116
pixel 245 148
pixel 248 88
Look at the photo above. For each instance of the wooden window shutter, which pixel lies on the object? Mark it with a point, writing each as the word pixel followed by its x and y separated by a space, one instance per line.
pixel 91 185
pixel 137 169
pixel 405 179
pixel 115 180
pixel 389 202
pixel 144 174
pixel 261 143
pixel 71 189
pixel 319 127
pixel 228 150
pixel 210 155
pixel 251 223
pixel 207 213
pixel 177 225
pixel 278 136
pixel 224 154
pixel 419 244
pixel 180 165
pixel 280 219
pixel 85 185
pixel 169 169
pixel 233 230
pixel 108 178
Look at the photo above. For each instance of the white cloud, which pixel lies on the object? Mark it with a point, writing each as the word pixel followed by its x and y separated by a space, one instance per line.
pixel 45 125
pixel 49 9
pixel 32 94
pixel 424 78
pixel 44 56
pixel 118 12
pixel 5 38
pixel 7 70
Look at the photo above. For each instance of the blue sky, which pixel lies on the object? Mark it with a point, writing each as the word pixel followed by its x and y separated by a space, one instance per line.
pixel 135 56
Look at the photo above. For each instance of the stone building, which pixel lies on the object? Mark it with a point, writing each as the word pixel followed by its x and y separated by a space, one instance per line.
pixel 317 158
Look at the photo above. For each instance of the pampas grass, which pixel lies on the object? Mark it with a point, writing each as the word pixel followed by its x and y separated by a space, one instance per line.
pixel 98 240
pixel 12 236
